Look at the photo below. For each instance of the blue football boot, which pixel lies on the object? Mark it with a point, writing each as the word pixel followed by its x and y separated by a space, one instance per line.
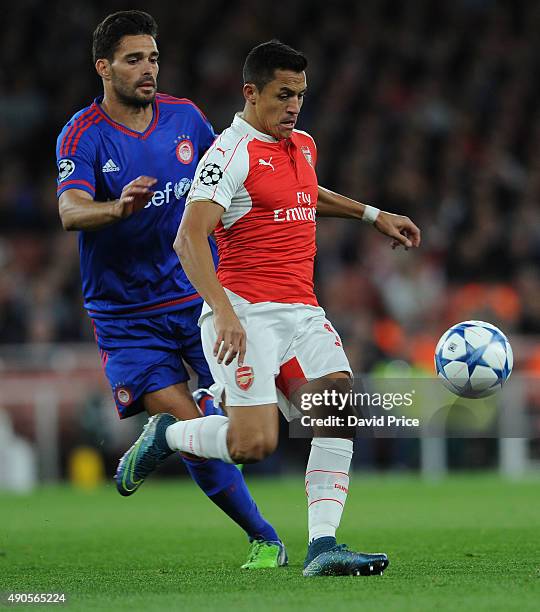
pixel 149 451
pixel 325 558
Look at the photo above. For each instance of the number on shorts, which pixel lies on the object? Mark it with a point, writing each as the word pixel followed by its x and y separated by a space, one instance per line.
pixel 328 327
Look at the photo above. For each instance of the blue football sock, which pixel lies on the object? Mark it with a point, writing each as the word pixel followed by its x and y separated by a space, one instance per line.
pixel 206 405
pixel 224 484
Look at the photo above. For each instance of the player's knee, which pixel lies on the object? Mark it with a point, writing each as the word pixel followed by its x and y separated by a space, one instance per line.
pixel 252 450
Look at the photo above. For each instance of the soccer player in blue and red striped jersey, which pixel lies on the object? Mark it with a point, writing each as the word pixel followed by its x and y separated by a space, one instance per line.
pixel 125 164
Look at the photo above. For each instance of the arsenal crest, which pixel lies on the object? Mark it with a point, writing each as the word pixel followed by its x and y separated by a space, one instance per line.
pixel 307 154
pixel 244 377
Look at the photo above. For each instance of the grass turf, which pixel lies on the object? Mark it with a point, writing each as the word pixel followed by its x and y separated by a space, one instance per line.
pixel 468 543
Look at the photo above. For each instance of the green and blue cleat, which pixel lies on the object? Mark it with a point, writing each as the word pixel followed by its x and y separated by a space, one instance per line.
pixel 149 451
pixel 263 555
pixel 325 558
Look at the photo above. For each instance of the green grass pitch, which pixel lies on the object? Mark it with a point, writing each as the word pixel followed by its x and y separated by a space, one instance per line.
pixel 467 543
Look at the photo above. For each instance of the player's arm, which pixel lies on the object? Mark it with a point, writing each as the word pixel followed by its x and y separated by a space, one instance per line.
pixel 79 211
pixel 401 229
pixel 191 245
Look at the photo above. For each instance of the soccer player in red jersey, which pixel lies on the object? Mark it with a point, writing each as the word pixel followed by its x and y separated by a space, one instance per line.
pixel 264 335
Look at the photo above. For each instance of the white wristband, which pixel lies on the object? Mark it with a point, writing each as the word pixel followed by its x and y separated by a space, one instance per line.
pixel 370 214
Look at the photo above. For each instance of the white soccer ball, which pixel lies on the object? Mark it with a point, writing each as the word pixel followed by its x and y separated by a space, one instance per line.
pixel 473 359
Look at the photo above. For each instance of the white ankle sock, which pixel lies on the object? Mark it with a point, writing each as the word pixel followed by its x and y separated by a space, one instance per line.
pixel 204 437
pixel 327 484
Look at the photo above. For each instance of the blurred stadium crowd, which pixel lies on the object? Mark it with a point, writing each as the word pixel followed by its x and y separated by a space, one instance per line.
pixel 429 109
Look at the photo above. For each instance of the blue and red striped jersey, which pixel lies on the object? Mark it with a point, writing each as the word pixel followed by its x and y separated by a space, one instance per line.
pixel 130 267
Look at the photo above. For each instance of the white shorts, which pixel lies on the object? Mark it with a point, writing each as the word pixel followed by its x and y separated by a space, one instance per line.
pixel 287 346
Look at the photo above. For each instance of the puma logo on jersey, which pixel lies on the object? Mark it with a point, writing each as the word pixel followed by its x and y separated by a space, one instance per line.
pixel 222 151
pixel 263 162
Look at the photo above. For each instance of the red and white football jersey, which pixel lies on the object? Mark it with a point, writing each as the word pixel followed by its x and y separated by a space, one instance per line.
pixel 266 236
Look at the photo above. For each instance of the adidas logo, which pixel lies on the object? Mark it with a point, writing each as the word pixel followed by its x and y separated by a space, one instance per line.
pixel 110 166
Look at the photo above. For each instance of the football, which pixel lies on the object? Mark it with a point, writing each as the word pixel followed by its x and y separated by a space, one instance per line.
pixel 473 359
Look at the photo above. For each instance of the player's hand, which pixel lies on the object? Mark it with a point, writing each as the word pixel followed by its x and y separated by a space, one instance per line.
pixel 135 196
pixel 231 337
pixel 401 229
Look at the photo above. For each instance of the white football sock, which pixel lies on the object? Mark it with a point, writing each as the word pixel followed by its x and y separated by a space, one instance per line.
pixel 204 437
pixel 327 484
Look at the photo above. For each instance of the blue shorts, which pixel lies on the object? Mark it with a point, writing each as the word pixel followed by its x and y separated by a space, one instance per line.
pixel 144 355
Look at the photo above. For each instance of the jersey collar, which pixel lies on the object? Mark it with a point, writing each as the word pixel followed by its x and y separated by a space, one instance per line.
pixel 123 128
pixel 247 128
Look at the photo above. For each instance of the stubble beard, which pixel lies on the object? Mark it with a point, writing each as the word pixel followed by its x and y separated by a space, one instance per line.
pixel 130 97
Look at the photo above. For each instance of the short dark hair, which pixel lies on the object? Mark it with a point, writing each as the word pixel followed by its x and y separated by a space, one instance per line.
pixel 113 28
pixel 264 59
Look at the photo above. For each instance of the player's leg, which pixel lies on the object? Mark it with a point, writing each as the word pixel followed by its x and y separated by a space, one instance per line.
pixel 147 374
pixel 252 435
pixel 327 472
pixel 319 357
pixel 175 399
pixel 222 482
pixel 327 486
pixel 248 434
